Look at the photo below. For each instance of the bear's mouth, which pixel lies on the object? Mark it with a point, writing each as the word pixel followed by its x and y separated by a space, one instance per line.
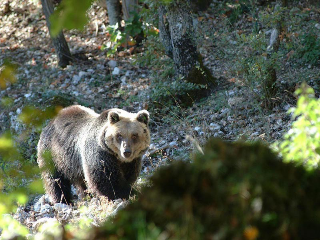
pixel 126 156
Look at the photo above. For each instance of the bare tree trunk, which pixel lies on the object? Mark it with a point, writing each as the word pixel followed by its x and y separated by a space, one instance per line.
pixel 164 31
pixel 129 6
pixel 274 43
pixel 60 44
pixel 178 37
pixel 114 12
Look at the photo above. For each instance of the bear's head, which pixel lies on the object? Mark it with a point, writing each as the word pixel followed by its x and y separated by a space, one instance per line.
pixel 126 134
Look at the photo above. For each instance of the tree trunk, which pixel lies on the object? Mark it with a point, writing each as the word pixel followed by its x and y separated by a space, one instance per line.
pixel 129 6
pixel 269 83
pixel 178 37
pixel 114 12
pixel 60 44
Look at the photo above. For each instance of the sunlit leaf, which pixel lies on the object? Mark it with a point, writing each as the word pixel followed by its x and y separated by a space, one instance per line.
pixel 6 142
pixel 21 198
pixel 70 14
pixel 6 102
pixel 7 74
pixel 36 186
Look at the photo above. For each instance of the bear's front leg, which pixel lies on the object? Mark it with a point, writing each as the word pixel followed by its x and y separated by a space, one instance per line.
pixel 106 180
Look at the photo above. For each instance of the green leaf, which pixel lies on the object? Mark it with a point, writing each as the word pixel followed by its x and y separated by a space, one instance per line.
pixel 70 14
pixel 36 186
pixel 7 73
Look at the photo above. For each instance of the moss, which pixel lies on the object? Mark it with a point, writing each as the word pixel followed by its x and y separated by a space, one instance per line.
pixel 233 191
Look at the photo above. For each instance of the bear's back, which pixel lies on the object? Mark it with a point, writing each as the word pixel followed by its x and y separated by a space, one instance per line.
pixel 76 112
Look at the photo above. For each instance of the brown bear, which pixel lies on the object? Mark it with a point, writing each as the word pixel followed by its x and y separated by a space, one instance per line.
pixel 98 152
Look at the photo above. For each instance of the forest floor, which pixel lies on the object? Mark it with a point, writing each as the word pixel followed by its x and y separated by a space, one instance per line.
pixel 233 111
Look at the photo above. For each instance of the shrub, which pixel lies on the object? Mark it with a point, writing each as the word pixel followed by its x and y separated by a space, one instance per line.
pixel 309 50
pixel 233 191
pixel 302 143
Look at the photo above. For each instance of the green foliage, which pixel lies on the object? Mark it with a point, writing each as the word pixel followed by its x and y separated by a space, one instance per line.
pixel 234 11
pixel 18 177
pixel 7 74
pixel 116 39
pixel 302 143
pixel 255 66
pixel 310 48
pixel 152 54
pixel 70 14
pixel 36 117
pixel 233 191
pixel 171 91
pixel 126 37
pixel 11 228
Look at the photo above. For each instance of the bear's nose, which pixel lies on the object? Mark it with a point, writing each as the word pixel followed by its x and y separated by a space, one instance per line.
pixel 127 153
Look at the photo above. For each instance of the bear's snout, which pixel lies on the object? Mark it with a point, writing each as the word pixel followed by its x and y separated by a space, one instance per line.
pixel 127 153
pixel 126 149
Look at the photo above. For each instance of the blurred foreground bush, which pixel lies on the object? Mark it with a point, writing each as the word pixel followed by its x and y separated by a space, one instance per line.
pixel 233 191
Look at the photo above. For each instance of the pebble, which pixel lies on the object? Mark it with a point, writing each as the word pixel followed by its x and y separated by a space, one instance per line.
pixel 173 144
pixel 27 95
pixel 46 208
pixel 99 66
pixel 197 129
pixel 116 71
pixel 61 207
pixel 225 111
pixel 82 74
pixel 37 205
pixel 112 63
pixel 76 79
pixel 128 73
pixel 152 146
pixel 214 126
pixel 123 80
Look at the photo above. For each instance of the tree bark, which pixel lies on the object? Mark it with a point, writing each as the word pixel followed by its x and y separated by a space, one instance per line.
pixel 114 12
pixel 269 83
pixel 60 44
pixel 129 6
pixel 178 37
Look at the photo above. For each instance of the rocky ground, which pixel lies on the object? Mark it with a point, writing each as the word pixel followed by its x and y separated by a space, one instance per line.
pixel 101 82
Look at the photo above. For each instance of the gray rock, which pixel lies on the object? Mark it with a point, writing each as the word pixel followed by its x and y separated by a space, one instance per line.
pixel 128 73
pixel 197 129
pixel 46 208
pixel 116 71
pixel 173 144
pixel 76 79
pixel 61 207
pixel 82 74
pixel 214 127
pixel 27 95
pixel 112 63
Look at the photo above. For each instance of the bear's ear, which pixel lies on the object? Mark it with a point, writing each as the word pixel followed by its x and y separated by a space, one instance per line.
pixel 104 115
pixel 113 117
pixel 143 116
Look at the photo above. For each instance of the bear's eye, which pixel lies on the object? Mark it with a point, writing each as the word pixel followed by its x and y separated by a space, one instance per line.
pixel 134 137
pixel 119 137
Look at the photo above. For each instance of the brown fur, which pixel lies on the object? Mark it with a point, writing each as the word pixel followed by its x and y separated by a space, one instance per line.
pixel 101 152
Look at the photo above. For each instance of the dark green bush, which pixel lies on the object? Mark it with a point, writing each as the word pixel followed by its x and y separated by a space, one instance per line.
pixel 233 191
pixel 310 48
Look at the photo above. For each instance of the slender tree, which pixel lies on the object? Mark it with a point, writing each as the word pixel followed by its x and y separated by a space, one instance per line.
pixel 59 42
pixel 178 37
